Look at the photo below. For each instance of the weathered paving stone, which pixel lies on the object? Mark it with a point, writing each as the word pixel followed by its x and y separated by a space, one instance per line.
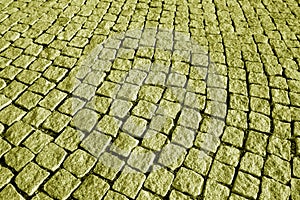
pixel 36 141
pixel 159 181
pixel 154 140
pixel 123 144
pixel 109 125
pixel 278 169
pixel 129 182
pixel 161 123
pixel 221 172
pixel 172 156
pixel 61 184
pixel 16 133
pixel 144 109
pixel 51 157
pixel 95 143
pixel 69 138
pixel 233 136
pixel 207 141
pixel 108 166
pixel 11 114
pixel 79 163
pixel 28 100
pixel 183 179
pixel 215 190
pixel 272 189
pixel 120 108
pixel 279 147
pixel 183 136
pixel 247 185
pixel 18 157
pixel 56 121
pixel 92 188
pixel 10 192
pixel 29 179
pixel 6 176
pixel 257 143
pixel 295 188
pixel 141 159
pixel 150 93
pixel 228 155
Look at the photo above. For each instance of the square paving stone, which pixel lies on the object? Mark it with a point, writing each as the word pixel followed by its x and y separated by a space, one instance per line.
pixel 28 76
pixel 282 129
pixel 79 163
pixel 51 157
pixel 56 121
pixel 196 86
pixel 14 89
pixel 239 102
pixel 175 94
pixel 91 188
pixel 195 101
pixel 136 77
pixel 85 120
pixel 189 118
pixel 177 80
pixel 183 136
pixel 95 143
pixel 257 143
pixel 69 84
pixel 172 156
pixel 271 189
pixel 71 105
pixel 108 166
pixel 233 136
pixel 6 176
pixel 61 184
pixel 281 96
pixel 280 147
pixel 150 93
pixel 16 133
pixel 168 108
pixel 135 126
pixel 198 161
pixel 141 159
pixel 144 109
pixel 108 89
pixel 252 163
pixel 10 192
pixel 30 178
pixel 207 141
pixel 124 144
pixel 184 178
pixel 18 157
pixel 159 181
pixel 156 78
pixel 99 104
pixel 228 155
pixel 10 72
pixel 28 100
pixel 129 182
pixel 53 98
pixel 246 185
pixel 236 118
pixel 282 112
pixel 175 195
pixel 114 195
pixel 215 190
pixel 41 86
pixel 221 172
pixel 85 91
pixel 129 92
pixel 122 64
pixel 154 140
pixel 64 61
pixel 4 101
pixel 109 125
pixel 120 108
pixel 117 76
pixel 94 78
pixel 162 123
pixel 278 169
pixel 69 138
pixel 11 114
pixel 36 141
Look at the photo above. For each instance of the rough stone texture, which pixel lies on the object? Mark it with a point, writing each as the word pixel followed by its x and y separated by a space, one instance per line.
pixel 149 99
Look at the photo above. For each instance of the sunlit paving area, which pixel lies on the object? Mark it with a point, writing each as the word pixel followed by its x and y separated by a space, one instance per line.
pixel 149 99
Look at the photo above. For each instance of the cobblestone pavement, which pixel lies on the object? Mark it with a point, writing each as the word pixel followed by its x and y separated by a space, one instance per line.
pixel 140 99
